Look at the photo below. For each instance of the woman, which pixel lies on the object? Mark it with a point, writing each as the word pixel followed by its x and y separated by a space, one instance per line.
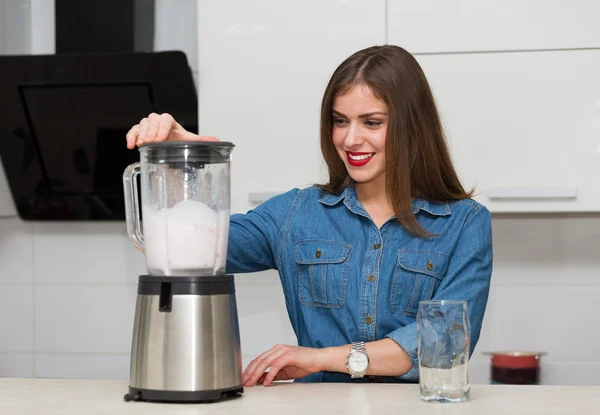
pixel 393 226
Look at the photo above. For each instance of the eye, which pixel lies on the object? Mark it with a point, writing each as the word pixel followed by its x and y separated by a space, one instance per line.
pixel 372 123
pixel 339 121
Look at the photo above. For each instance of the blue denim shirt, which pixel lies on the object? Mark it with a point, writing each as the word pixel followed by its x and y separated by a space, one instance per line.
pixel 344 279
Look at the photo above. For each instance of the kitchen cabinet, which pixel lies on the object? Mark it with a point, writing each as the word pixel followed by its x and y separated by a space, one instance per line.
pixel 262 70
pixel 524 127
pixel 434 26
pixel 522 119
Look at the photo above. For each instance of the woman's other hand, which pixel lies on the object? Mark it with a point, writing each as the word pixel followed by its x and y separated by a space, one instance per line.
pixel 160 127
pixel 285 362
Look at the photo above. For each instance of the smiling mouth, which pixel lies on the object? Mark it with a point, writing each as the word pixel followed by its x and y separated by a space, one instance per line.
pixel 358 159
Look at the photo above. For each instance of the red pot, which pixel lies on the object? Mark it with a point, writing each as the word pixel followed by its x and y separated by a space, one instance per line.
pixel 516 367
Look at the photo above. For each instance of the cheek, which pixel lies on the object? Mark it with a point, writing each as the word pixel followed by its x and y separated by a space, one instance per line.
pixel 379 142
pixel 337 137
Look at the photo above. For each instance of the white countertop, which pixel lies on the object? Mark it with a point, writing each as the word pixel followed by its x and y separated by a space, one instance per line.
pixel 45 396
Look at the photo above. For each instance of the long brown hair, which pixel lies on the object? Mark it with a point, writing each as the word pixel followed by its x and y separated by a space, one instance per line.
pixel 418 161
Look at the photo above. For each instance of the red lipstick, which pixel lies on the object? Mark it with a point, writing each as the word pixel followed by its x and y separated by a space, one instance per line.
pixel 358 163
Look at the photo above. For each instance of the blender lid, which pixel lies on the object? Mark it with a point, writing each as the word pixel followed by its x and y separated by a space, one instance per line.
pixel 188 151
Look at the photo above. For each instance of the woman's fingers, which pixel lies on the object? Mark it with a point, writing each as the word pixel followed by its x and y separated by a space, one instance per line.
pixel 252 371
pixel 160 127
pixel 132 136
pixel 142 131
pixel 276 366
pixel 152 128
pixel 208 138
pixel 165 124
pixel 252 365
pixel 266 363
pixel 260 365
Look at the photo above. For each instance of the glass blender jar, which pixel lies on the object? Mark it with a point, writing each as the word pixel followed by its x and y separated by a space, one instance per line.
pixel 185 204
pixel 186 305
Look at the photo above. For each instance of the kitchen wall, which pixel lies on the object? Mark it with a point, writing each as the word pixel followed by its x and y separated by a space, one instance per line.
pixel 67 290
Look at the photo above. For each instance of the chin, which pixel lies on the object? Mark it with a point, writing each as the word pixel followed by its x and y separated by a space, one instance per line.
pixel 363 176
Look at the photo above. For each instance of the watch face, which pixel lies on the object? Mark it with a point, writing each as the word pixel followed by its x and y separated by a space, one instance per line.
pixel 358 361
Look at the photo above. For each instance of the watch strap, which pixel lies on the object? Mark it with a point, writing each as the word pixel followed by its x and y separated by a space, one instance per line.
pixel 359 347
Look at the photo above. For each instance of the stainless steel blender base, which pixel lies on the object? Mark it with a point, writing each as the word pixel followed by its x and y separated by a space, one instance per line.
pixel 186 341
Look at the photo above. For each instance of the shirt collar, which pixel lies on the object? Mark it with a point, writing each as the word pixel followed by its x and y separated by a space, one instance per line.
pixel 330 199
pixel 437 209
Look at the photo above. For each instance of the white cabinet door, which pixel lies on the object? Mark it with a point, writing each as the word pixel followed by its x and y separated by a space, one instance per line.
pixel 263 67
pixel 14 27
pixel 524 127
pixel 429 26
pixel 176 28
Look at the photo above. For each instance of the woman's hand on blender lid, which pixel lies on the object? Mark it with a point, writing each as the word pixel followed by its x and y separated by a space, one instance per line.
pixel 160 127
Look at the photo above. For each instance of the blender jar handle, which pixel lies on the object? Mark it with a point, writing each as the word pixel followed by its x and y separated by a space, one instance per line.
pixel 132 213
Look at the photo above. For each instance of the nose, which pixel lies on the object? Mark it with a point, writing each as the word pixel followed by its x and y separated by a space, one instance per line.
pixel 353 136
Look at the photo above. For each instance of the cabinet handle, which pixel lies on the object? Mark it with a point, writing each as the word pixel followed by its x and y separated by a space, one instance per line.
pixel 260 197
pixel 535 193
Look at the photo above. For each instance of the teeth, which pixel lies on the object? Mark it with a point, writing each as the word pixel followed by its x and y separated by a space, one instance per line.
pixel 361 157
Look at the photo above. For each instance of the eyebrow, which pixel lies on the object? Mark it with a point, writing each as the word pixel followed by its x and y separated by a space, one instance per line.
pixel 367 115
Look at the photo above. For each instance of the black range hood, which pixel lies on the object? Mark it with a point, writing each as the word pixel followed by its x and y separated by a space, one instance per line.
pixel 63 121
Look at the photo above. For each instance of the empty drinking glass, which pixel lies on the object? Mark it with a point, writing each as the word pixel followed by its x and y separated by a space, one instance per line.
pixel 443 352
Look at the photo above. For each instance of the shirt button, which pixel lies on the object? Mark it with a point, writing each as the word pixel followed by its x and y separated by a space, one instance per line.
pixel 368 320
pixel 371 278
pixel 376 246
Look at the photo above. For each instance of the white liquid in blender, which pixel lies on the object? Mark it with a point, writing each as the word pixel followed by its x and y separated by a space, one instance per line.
pixel 185 240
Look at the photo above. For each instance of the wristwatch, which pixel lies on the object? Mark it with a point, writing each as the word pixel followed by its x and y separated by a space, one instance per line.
pixel 357 360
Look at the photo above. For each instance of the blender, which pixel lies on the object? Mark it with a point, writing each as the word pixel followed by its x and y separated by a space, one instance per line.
pixel 186 340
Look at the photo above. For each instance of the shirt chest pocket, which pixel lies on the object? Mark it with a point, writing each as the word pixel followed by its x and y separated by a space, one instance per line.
pixel 322 272
pixel 417 276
